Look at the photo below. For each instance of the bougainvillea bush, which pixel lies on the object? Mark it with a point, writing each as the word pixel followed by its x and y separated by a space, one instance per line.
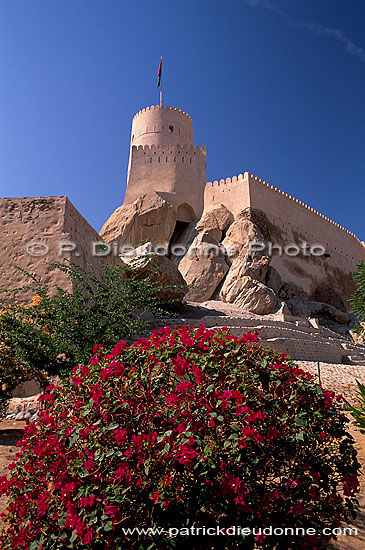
pixel 188 428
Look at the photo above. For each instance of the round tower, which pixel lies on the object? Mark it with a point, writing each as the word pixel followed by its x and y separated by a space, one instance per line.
pixel 163 159
pixel 162 126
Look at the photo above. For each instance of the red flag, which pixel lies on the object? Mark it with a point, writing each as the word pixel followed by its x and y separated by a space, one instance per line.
pixel 159 74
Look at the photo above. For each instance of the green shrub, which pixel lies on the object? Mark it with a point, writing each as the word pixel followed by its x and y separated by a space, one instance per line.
pixel 358 411
pixel 357 300
pixel 52 334
pixel 185 429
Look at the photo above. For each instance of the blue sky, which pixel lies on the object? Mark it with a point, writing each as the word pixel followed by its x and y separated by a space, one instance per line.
pixel 275 88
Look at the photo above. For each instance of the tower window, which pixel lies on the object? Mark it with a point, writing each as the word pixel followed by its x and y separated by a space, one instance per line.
pixel 132 137
pixel 171 129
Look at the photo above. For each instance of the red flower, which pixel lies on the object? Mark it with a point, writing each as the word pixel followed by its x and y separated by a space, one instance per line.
pixel 298 509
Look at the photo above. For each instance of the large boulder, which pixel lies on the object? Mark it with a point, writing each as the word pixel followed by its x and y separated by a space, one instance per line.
pixel 149 218
pixel 215 222
pixel 244 284
pixel 244 265
pixel 251 295
pixel 240 235
pixel 203 267
pixel 145 262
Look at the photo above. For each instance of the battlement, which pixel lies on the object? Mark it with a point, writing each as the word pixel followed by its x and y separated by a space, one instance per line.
pixel 178 149
pixel 247 177
pixel 158 107
pixel 163 154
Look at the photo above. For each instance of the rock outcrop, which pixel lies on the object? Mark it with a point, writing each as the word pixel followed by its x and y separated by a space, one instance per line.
pixel 144 262
pixel 150 218
pixel 251 295
pixel 215 222
pixel 222 261
pixel 221 257
pixel 244 284
pixel 203 267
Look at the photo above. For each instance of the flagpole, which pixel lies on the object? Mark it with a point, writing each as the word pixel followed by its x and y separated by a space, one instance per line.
pixel 159 83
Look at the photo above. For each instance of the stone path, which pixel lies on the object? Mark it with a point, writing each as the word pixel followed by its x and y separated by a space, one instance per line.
pixel 337 377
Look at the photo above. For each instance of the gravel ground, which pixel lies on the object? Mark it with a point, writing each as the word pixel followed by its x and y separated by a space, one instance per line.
pixel 337 377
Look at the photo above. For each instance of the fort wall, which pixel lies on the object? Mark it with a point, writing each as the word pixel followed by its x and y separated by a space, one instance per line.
pixel 232 192
pixel 46 221
pixel 291 221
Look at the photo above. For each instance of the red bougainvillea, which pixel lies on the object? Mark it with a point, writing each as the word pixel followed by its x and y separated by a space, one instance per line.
pixel 185 431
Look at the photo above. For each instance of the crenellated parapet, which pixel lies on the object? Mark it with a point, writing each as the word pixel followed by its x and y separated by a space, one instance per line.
pixel 247 177
pixel 162 154
pixel 163 107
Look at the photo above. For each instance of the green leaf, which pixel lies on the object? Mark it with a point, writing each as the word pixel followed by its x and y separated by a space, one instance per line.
pixel 300 421
pixel 113 426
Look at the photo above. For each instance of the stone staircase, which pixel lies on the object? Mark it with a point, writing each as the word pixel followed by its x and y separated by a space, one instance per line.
pixel 297 337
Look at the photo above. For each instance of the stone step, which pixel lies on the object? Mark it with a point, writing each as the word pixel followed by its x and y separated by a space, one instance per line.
pixel 358 360
pixel 300 341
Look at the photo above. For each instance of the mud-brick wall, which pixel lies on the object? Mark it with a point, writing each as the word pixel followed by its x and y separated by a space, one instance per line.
pixel 46 221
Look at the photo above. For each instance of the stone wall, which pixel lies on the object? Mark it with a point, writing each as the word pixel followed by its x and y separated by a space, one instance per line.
pixel 46 222
pixel 177 172
pixel 290 221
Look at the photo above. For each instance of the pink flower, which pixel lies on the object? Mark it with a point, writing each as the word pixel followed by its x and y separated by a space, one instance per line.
pixel 184 386
pixel 120 435
pixel 118 348
pixel 350 485
pixel 297 509
pixel 181 365
pixel 88 537
pixel 155 497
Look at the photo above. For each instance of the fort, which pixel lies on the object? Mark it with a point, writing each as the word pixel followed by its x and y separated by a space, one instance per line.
pixel 164 159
